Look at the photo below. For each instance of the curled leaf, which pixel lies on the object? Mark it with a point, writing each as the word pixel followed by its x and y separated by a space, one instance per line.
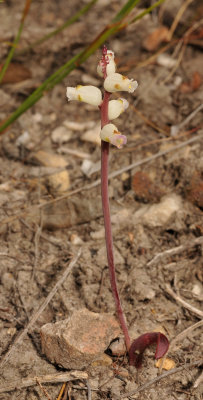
pixel 139 345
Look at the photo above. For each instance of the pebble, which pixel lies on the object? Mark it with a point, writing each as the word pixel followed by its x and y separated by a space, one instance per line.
pixel 7 280
pixel 79 340
pixel 76 240
pixel 118 347
pixel 58 182
pixel 78 126
pixel 159 214
pixel 61 135
pixel 93 135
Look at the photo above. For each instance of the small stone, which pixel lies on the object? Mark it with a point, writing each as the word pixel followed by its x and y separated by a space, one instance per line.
pixel 46 159
pixel 118 347
pixel 78 126
pixel 93 135
pixel 197 291
pixel 98 234
pixel 11 331
pixel 61 135
pixel 76 240
pixel 86 167
pixel 159 214
pixel 79 340
pixel 58 182
pixel 7 280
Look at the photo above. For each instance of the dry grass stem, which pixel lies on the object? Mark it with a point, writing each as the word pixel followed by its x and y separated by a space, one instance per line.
pixel 176 250
pixel 53 378
pixel 191 308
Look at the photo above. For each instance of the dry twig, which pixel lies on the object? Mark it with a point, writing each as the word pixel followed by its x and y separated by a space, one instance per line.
pixel 185 333
pixel 191 308
pixel 178 18
pixel 52 378
pixel 176 250
pixel 37 313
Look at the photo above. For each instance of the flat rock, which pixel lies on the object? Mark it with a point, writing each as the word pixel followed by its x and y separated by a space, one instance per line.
pixel 159 214
pixel 61 135
pixel 58 182
pixel 79 340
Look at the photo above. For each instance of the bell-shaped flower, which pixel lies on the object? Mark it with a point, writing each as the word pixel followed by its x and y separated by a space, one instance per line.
pixel 108 64
pixel 117 82
pixel 116 107
pixel 110 134
pixel 88 94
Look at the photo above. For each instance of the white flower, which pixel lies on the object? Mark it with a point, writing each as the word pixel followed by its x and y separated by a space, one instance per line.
pixel 117 82
pixel 116 107
pixel 111 66
pixel 89 94
pixel 110 134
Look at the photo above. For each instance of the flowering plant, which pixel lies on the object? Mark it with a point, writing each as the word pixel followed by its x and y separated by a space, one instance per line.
pixel 111 109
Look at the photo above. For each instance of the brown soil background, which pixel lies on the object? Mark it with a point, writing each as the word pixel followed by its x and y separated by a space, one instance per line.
pixel 32 257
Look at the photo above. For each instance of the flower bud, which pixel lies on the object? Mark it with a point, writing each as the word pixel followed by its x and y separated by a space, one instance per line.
pixel 116 107
pixel 117 82
pixel 110 67
pixel 89 94
pixel 110 134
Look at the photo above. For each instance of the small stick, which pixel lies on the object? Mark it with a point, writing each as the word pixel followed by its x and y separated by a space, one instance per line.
pixel 178 18
pixel 198 381
pixel 52 378
pixel 160 377
pixel 52 240
pixel 176 250
pixel 73 152
pixel 176 128
pixel 89 393
pixel 185 333
pixel 43 389
pixel 37 313
pixel 193 309
pixel 61 391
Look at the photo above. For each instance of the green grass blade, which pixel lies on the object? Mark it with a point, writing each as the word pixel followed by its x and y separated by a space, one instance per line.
pixel 127 8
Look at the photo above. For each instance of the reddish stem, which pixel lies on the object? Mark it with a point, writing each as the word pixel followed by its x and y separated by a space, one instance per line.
pixel 107 221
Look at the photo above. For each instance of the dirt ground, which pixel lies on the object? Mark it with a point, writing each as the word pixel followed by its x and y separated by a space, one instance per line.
pixel 156 206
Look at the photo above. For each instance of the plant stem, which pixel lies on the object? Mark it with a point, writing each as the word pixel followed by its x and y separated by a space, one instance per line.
pixel 107 221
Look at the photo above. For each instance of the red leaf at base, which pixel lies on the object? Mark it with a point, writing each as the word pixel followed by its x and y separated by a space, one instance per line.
pixel 139 345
